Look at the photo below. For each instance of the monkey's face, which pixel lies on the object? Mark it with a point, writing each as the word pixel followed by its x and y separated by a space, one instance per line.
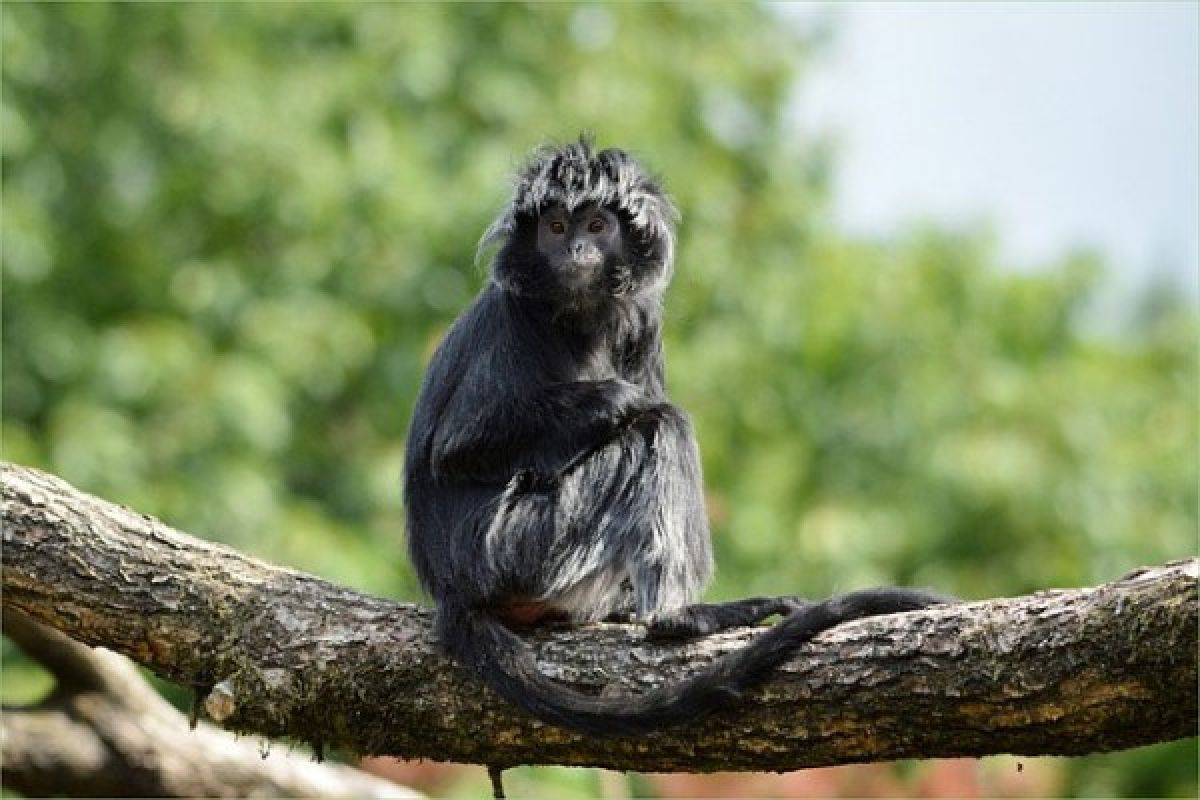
pixel 581 247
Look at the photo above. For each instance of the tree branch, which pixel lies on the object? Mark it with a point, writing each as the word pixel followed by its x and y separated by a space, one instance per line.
pixel 104 731
pixel 281 653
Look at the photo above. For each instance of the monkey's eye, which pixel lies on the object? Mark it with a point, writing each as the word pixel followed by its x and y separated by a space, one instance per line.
pixel 596 225
pixel 557 227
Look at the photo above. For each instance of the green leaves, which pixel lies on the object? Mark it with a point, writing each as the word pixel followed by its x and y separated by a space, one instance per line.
pixel 234 233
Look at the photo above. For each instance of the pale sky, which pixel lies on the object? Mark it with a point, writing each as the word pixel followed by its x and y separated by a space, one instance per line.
pixel 1064 125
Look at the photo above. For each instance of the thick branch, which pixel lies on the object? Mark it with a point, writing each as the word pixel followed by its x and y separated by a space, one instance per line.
pixel 104 732
pixel 282 653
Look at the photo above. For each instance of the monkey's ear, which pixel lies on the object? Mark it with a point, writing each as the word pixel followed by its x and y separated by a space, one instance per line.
pixel 504 226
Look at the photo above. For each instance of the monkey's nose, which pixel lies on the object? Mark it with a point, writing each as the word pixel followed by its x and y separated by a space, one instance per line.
pixel 586 254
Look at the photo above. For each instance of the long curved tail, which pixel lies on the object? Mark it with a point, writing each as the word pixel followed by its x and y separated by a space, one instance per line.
pixel 502 660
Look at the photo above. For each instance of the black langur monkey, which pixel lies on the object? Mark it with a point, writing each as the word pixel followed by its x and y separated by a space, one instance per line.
pixel 547 475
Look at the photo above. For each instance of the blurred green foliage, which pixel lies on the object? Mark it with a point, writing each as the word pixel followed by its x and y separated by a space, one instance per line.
pixel 233 234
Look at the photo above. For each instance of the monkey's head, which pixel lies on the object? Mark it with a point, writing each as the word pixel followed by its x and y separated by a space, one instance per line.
pixel 584 226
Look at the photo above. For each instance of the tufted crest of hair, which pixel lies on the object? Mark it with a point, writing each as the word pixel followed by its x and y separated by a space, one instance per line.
pixel 575 175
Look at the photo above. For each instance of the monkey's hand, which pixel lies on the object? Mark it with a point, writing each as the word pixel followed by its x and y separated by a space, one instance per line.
pixel 620 402
pixel 588 415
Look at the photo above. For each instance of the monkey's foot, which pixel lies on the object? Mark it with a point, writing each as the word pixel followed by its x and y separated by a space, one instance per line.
pixel 702 619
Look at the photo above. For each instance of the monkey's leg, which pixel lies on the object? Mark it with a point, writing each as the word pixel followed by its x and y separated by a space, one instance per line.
pixel 630 512
pixel 567 545
pixel 672 559
pixel 669 558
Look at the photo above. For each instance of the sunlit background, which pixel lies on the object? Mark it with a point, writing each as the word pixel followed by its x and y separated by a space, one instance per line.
pixel 1061 125
pixel 935 312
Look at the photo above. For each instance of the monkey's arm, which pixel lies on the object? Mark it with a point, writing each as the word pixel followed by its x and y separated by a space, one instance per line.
pixel 489 439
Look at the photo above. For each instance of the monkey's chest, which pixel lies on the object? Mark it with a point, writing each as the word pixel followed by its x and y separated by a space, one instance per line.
pixel 586 364
pixel 602 362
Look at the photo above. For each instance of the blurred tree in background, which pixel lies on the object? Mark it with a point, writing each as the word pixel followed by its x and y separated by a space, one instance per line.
pixel 233 235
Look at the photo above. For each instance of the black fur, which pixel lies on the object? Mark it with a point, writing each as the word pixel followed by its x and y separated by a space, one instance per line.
pixel 547 475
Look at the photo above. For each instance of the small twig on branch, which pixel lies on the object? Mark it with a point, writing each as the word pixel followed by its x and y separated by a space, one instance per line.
pixel 104 731
pixel 280 653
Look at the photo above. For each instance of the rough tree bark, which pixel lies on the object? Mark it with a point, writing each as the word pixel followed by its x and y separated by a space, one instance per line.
pixel 280 653
pixel 104 732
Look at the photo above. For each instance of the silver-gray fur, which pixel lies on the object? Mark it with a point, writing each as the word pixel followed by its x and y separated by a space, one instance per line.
pixel 548 476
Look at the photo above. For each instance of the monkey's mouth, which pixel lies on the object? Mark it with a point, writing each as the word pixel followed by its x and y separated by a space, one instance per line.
pixel 579 276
